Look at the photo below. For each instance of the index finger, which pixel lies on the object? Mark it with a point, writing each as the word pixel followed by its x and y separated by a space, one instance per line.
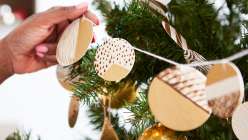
pixel 91 16
pixel 57 15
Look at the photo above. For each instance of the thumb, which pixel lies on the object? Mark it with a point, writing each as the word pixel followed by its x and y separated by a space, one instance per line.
pixel 58 14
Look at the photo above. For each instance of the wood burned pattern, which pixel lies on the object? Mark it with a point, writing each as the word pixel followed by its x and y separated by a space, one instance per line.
pixel 114 59
pixel 225 89
pixel 177 98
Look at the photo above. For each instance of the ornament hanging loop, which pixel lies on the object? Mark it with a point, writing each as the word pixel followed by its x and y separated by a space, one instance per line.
pixel 106 102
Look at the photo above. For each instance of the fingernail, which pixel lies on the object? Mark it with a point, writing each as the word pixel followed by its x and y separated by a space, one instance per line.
pixel 83 5
pixel 41 55
pixel 94 38
pixel 97 21
pixel 42 48
pixel 92 17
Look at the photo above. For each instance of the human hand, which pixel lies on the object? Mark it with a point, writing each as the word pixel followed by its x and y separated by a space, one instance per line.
pixel 32 45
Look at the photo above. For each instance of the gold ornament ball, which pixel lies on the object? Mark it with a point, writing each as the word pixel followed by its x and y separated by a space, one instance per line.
pixel 159 132
pixel 126 94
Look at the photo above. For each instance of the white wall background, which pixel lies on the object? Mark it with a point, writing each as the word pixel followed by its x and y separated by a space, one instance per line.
pixel 37 102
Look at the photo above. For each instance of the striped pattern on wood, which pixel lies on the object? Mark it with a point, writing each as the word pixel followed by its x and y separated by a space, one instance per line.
pixel 189 55
pixel 188 82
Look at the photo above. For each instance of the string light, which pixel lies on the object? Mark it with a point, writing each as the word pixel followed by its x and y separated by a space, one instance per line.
pixel 5 9
pixel 7 16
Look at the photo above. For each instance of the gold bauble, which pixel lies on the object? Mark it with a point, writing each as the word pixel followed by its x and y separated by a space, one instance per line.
pixel 126 94
pixel 159 132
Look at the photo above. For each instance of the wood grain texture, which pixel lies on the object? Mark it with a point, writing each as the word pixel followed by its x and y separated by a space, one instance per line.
pixel 240 121
pixel 178 101
pixel 74 42
pixel 225 89
pixel 189 55
pixel 73 111
pixel 220 72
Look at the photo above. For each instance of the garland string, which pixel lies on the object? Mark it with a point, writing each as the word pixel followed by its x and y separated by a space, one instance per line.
pixel 224 60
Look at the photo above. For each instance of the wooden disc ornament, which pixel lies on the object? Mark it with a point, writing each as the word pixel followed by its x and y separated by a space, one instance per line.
pixel 74 42
pixel 177 98
pixel 108 132
pixel 225 89
pixel 64 77
pixel 240 121
pixel 73 111
pixel 114 59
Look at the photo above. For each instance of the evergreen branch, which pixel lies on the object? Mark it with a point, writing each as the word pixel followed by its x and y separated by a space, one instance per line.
pixel 213 129
pixel 140 117
pixel 95 113
pixel 18 135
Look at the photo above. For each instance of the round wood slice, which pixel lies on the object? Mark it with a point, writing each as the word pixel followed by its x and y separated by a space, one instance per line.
pixel 240 121
pixel 74 42
pixel 225 89
pixel 114 59
pixel 177 98
pixel 73 111
pixel 64 77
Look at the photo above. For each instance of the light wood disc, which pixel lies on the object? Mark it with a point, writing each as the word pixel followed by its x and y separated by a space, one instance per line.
pixel 114 59
pixel 74 42
pixel 177 98
pixel 225 89
pixel 240 121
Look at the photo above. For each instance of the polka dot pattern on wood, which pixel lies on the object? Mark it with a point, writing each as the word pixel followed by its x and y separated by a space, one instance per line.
pixel 114 59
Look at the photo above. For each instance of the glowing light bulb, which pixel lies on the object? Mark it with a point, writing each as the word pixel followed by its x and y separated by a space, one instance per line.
pixel 5 9
pixel 9 19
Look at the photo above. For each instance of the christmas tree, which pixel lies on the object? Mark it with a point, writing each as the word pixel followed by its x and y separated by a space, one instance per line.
pixel 207 30
pixel 19 135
